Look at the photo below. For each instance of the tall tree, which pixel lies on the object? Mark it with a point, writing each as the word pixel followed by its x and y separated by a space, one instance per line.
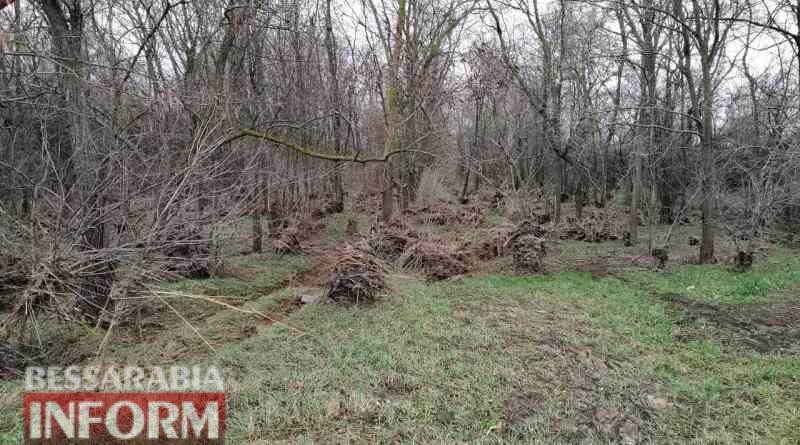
pixel 705 34
pixel 81 160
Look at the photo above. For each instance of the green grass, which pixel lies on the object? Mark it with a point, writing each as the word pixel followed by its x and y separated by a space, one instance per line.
pixel 501 359
pixel 10 422
pixel 720 285
pixel 336 227
pixel 252 276
pixel 439 363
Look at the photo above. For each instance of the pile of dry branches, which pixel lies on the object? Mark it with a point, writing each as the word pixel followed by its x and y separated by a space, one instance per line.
pixel 437 260
pixel 596 227
pixel 527 245
pixel 388 246
pixel 357 277
pixel 288 242
pixel 450 214
pixel 60 278
pixel 187 254
pixel 490 243
pixel 327 207
pixel 11 276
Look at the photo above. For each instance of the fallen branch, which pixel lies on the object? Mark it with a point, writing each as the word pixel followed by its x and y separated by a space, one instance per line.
pixel 161 295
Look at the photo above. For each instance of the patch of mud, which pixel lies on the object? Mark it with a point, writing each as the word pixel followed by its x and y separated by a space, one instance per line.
pixel 762 327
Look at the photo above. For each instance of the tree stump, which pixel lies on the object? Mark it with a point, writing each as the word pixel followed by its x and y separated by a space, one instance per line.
pixel 662 255
pixel 743 261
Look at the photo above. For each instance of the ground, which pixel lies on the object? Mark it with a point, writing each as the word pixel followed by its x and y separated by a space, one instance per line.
pixel 604 351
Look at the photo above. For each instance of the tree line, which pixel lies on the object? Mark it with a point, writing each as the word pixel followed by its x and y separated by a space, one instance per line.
pixel 129 126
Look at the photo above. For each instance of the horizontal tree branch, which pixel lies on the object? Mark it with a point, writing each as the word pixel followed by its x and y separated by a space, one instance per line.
pixel 310 152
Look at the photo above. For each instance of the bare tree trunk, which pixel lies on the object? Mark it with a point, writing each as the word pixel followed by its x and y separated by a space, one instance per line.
pixel 559 182
pixel 636 183
pixel 258 230
pixel 333 71
pixel 707 243
pixel 387 196
pixel 467 151
pixel 394 116
pixel 260 207
pixel 81 163
pixel 580 201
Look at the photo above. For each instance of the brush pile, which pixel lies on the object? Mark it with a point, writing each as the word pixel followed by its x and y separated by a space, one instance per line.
pixel 288 242
pixel 542 217
pixel 388 246
pixel 442 216
pixel 328 207
pixel 528 247
pixel 437 260
pixel 490 243
pixel 187 253
pixel 10 274
pixel 449 214
pixel 596 227
pixel 68 284
pixel 357 277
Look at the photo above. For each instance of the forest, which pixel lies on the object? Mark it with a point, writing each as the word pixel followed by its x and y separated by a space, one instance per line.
pixel 413 221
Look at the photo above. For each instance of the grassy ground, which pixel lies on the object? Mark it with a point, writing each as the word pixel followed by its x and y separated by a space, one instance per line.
pixel 499 359
pixel 696 354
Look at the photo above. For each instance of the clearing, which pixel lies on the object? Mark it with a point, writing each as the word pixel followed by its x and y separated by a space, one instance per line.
pixel 599 350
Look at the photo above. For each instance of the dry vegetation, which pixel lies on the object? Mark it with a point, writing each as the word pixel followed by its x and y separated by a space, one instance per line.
pixel 357 277
pixel 555 222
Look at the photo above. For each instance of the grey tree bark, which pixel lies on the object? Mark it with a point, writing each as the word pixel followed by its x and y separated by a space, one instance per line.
pixel 80 159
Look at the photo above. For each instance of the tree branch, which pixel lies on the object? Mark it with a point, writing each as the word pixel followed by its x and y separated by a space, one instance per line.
pixel 306 151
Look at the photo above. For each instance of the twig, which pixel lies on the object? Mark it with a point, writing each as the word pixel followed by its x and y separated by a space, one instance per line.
pixel 196 331
pixel 162 294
